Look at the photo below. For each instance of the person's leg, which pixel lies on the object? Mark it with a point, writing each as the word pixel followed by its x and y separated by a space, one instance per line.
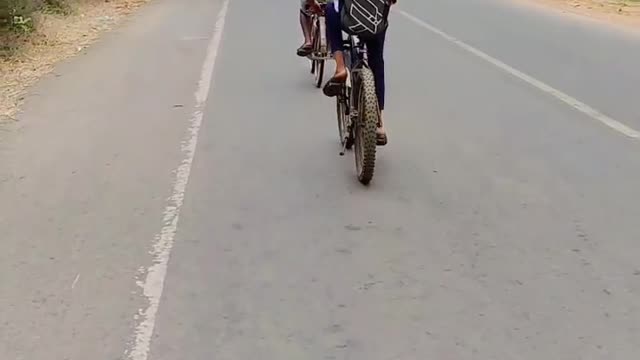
pixel 375 53
pixel 305 23
pixel 334 36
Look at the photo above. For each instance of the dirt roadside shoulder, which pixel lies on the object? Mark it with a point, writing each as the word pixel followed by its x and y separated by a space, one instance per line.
pixel 56 38
pixel 623 13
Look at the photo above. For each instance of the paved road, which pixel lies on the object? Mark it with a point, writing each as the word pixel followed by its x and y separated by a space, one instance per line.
pixel 502 223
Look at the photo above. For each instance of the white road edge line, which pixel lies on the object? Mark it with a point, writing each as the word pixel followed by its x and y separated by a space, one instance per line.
pixel 565 98
pixel 153 285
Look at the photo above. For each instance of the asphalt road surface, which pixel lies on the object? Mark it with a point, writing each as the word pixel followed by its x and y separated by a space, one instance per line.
pixel 502 222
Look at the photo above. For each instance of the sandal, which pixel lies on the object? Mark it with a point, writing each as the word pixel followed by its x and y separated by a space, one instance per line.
pixel 305 50
pixel 381 139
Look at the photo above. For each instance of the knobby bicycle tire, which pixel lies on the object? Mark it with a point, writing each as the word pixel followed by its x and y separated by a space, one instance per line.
pixel 365 126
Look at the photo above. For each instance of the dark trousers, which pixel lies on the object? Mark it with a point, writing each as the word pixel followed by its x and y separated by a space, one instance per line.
pixel 375 48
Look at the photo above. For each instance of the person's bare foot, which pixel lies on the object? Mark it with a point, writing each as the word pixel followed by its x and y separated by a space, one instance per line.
pixel 341 70
pixel 381 133
pixel 340 75
pixel 381 128
pixel 334 86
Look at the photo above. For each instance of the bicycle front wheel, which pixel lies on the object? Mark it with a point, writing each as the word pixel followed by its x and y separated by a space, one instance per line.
pixel 366 125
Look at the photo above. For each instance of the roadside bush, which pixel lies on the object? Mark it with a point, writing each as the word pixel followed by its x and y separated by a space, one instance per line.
pixel 17 13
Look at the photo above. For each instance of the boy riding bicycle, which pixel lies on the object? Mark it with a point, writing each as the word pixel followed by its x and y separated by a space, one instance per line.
pixel 307 8
pixel 375 54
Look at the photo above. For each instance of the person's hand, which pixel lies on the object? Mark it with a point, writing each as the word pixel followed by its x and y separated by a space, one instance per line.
pixel 314 7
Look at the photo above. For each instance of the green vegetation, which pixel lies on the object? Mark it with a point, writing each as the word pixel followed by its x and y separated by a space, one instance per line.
pixel 19 20
pixel 16 14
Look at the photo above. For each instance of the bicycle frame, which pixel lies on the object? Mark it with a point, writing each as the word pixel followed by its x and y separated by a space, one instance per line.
pixel 357 53
pixel 356 107
pixel 356 58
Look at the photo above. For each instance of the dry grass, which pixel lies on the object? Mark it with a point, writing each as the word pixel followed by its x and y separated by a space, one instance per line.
pixel 620 7
pixel 56 37
pixel 620 12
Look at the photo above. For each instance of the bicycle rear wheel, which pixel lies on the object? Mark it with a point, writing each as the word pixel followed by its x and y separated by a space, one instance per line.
pixel 366 125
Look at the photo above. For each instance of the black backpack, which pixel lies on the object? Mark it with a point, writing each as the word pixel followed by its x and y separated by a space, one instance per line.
pixel 365 18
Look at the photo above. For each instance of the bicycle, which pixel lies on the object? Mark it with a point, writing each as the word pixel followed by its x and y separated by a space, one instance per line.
pixel 320 51
pixel 357 110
